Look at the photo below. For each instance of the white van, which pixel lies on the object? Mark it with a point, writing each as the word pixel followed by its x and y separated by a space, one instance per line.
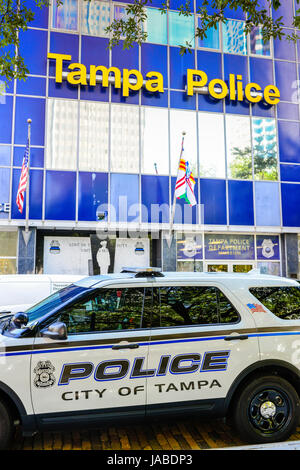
pixel 20 291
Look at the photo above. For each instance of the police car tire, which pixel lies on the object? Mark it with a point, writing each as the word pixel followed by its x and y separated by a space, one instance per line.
pixel 246 407
pixel 6 426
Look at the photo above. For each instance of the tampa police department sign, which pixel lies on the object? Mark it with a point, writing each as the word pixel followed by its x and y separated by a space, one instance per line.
pixel 197 81
pixel 4 207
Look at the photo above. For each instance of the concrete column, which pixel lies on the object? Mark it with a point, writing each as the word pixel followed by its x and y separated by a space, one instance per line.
pixel 169 254
pixel 26 251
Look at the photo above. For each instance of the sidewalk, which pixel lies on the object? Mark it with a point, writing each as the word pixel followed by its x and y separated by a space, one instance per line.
pixel 289 445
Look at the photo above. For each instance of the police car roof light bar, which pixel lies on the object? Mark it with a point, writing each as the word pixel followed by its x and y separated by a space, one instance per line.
pixel 143 272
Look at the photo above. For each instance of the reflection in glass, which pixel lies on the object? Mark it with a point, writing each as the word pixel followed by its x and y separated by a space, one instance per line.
pixel 181 29
pixel 282 301
pixel 8 243
pixel 95 17
pixel 120 13
pixel 188 246
pixel 62 124
pixel 190 266
pixel 65 15
pixel 211 150
pixel 108 309
pixel 125 138
pixel 242 268
pixel 8 266
pixel 238 147
pixel 154 141
pixel 183 121
pixel 212 40
pixel 269 267
pixel 217 268
pixel 257 44
pixel 234 38
pixel 93 142
pixel 264 142
pixel 156 26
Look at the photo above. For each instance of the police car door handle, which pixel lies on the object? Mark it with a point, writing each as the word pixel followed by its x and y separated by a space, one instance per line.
pixel 126 346
pixel 235 337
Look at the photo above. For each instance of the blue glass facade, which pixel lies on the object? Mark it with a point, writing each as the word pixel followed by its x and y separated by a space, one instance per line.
pixel 91 145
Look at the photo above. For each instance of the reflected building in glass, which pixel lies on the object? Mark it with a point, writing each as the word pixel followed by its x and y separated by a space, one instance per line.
pixel 103 166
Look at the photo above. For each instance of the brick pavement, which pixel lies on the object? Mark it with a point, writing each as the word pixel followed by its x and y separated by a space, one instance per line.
pixel 183 434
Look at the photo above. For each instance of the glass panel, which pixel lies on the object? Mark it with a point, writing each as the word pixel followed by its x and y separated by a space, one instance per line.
pixel 234 38
pixel 234 247
pixel 93 143
pixel 227 312
pixel 269 268
pixel 217 268
pixel 192 306
pixel 282 301
pixel 257 45
pixel 4 152
pixel 8 243
pixel 95 17
pixel 65 16
pixel 212 40
pixel 242 268
pixel 211 150
pixel 8 266
pixel 238 147
pixel 108 309
pixel 181 29
pixel 4 196
pixel 156 26
pixel 264 141
pixel 190 266
pixel 267 203
pixel 120 13
pixel 124 138
pixel 183 121
pixel 154 141
pixel 62 123
pixel 53 301
pixel 124 198
pixel 189 246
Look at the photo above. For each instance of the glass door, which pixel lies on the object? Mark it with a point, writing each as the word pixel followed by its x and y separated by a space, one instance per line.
pixel 229 267
pixel 242 268
pixel 217 268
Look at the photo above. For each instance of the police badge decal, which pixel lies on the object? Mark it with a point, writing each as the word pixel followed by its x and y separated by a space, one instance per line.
pixel 44 374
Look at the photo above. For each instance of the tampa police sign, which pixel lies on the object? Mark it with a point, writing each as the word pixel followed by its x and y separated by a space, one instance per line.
pixel 133 80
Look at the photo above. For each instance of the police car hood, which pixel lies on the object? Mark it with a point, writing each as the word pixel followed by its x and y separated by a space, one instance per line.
pixel 4 309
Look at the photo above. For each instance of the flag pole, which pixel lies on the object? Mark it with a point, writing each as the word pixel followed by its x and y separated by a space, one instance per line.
pixel 174 196
pixel 28 174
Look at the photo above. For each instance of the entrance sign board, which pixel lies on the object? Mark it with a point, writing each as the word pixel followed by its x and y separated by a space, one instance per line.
pixel 229 247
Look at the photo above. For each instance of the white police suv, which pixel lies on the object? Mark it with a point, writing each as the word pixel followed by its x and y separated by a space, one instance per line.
pixel 148 343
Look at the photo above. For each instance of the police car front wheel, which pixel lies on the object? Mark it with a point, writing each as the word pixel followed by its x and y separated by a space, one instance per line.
pixel 267 410
pixel 6 426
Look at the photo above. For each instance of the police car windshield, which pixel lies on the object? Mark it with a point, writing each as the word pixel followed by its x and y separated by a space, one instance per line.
pixel 52 302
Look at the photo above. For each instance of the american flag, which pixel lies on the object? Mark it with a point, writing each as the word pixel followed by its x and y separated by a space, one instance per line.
pixel 256 308
pixel 23 180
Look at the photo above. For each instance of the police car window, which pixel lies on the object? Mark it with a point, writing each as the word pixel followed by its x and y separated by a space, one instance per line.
pixel 53 301
pixel 108 309
pixel 284 302
pixel 188 305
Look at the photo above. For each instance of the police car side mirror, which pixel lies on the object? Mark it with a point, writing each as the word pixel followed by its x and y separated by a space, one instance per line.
pixel 20 319
pixel 56 331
